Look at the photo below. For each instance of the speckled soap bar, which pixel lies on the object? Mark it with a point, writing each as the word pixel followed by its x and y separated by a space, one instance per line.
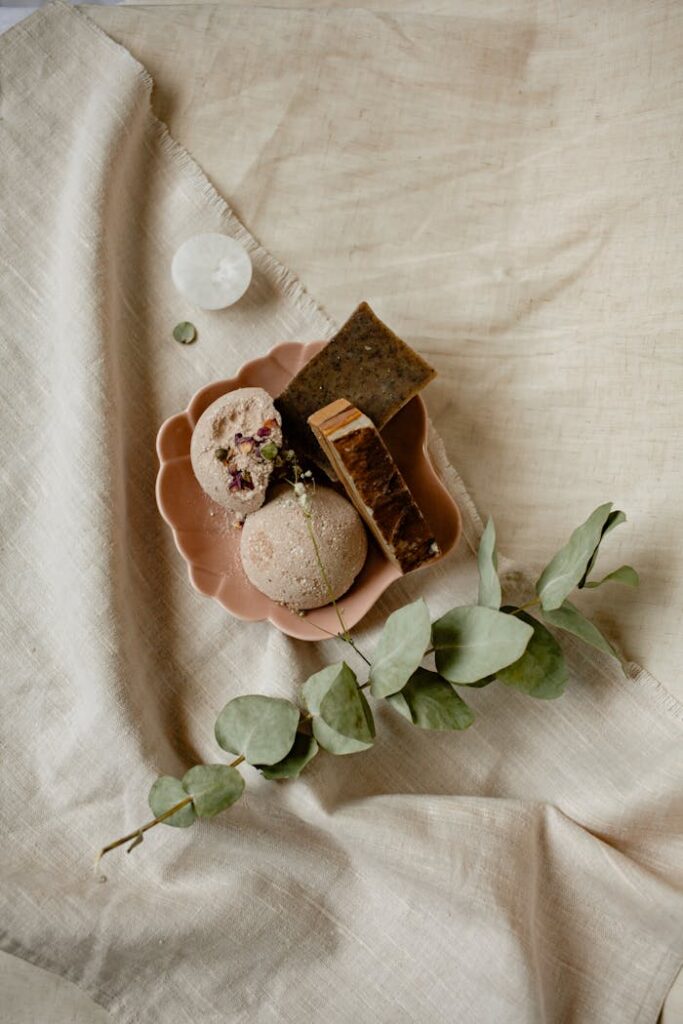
pixel 372 480
pixel 366 362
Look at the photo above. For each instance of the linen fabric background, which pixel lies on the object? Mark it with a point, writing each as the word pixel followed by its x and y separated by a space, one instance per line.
pixel 527 870
pixel 501 180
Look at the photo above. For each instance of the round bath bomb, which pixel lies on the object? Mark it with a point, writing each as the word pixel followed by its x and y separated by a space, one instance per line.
pixel 233 447
pixel 278 554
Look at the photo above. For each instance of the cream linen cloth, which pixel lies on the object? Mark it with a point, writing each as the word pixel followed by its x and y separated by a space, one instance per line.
pixel 503 179
pixel 528 870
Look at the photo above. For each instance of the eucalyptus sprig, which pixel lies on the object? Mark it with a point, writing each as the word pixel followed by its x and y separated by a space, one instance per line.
pixel 473 646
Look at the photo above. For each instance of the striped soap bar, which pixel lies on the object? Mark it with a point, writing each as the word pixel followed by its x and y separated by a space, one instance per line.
pixel 363 464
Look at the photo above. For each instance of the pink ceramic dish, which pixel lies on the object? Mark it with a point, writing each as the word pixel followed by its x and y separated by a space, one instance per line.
pixel 211 545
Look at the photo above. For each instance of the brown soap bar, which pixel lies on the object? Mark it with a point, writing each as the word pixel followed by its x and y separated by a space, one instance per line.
pixel 372 480
pixel 365 361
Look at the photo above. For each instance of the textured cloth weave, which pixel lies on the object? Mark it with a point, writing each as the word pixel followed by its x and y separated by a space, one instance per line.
pixel 528 870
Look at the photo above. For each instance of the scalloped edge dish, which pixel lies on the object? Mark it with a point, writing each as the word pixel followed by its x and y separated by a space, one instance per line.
pixel 209 543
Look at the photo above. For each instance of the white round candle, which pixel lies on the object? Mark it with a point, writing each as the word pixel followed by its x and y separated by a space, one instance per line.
pixel 211 271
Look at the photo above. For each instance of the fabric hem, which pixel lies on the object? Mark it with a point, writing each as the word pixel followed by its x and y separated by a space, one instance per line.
pixel 286 279
pixel 649 1009
pixel 658 991
pixel 99 996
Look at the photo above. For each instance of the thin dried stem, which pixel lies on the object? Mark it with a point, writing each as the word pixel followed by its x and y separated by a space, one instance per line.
pixel 529 604
pixel 308 516
pixel 137 836
pixel 346 637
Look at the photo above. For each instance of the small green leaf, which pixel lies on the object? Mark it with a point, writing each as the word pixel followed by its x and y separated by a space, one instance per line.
pixel 344 709
pixel 624 574
pixel 401 648
pixel 572 621
pixel 541 671
pixel 260 728
pixel 429 702
pixel 613 519
pixel 304 750
pixel 567 568
pixel 185 332
pixel 314 691
pixel 269 450
pixel 213 788
pixel 487 558
pixel 166 793
pixel 317 685
pixel 473 642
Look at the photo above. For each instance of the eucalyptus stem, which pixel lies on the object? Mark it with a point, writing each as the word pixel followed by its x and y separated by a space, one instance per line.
pixel 349 640
pixel 323 573
pixel 346 637
pixel 345 633
pixel 137 835
pixel 479 643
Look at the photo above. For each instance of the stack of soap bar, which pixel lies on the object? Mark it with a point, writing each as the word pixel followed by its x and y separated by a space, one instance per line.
pixel 372 480
pixel 365 361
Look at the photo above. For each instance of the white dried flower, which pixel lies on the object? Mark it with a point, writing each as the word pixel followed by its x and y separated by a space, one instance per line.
pixel 302 495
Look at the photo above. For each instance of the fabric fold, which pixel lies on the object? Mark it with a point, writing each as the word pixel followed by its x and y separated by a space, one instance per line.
pixel 527 870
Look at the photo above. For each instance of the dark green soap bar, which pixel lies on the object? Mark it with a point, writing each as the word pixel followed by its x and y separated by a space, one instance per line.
pixel 366 363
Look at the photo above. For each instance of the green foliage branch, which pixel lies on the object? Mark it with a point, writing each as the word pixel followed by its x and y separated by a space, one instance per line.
pixel 471 646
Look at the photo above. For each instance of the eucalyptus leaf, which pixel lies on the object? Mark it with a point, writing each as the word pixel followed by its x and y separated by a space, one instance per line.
pixel 166 793
pixel 480 683
pixel 624 574
pixel 613 519
pixel 487 559
pixel 573 621
pixel 213 788
pixel 333 742
pixel 304 750
pixel 567 568
pixel 262 729
pixel 541 671
pixel 314 691
pixel 473 642
pixel 317 685
pixel 429 702
pixel 185 332
pixel 345 709
pixel 401 648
